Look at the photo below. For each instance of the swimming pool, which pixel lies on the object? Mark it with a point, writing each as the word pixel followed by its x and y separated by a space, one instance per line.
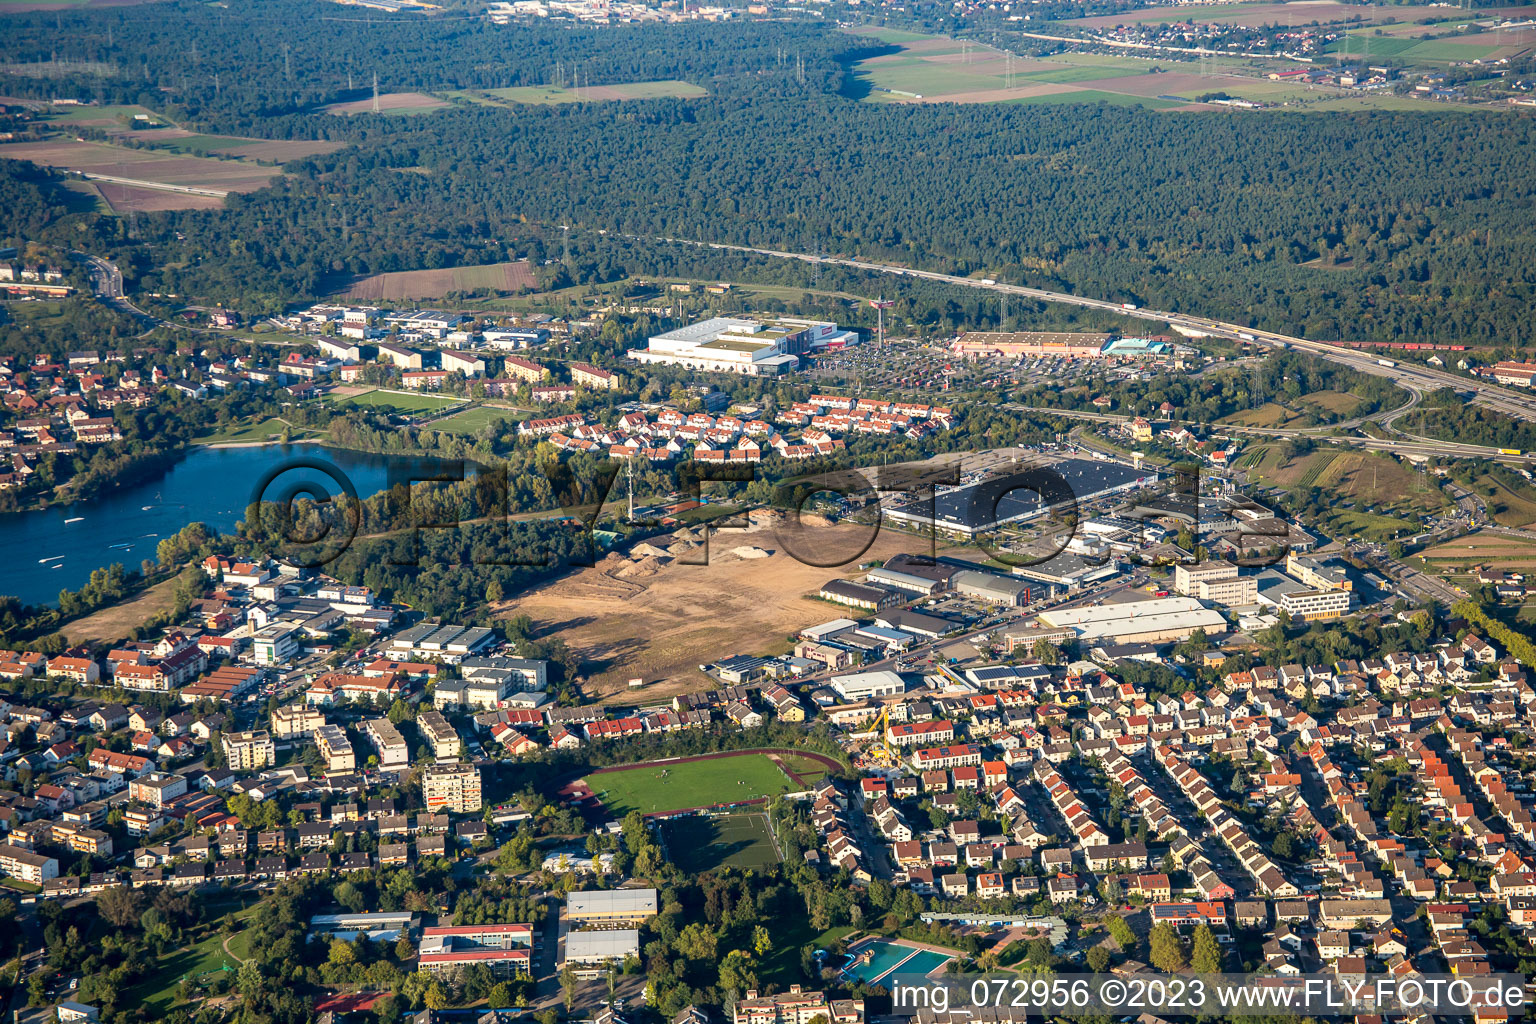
pixel 889 957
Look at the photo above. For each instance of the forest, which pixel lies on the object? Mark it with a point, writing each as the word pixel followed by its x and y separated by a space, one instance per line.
pixel 1376 225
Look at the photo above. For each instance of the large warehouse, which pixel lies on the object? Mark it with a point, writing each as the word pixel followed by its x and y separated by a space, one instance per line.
pixel 1155 621
pixel 1023 494
pixel 728 344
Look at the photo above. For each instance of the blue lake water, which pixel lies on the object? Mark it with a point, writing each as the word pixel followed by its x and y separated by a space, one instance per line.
pixel 48 550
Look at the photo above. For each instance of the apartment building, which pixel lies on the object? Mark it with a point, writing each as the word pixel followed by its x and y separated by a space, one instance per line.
pixel 295 722
pixel 247 751
pixel 452 787
pixel 27 865
pixel 392 750
pixel 440 735
pixel 335 748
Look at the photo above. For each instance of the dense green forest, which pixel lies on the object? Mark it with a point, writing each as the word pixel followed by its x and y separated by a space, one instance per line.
pixel 1372 225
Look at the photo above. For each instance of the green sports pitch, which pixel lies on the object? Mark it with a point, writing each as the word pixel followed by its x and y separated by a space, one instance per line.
pixel 697 843
pixel 663 786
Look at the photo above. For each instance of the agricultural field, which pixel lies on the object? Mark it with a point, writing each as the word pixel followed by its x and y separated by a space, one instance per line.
pixel 1298 12
pixel 699 844
pixel 1495 550
pixel 150 167
pixel 1409 49
pixel 389 103
pixel 543 95
pixel 402 401
pixel 1398 494
pixel 661 787
pixel 935 69
pixel 435 284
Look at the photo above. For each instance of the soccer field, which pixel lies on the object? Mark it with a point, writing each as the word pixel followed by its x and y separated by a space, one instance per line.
pixel 402 401
pixel 698 844
pixel 678 785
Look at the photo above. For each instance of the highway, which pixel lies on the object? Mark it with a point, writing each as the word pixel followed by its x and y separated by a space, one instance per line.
pixel 1411 378
pixel 1407 445
pixel 158 186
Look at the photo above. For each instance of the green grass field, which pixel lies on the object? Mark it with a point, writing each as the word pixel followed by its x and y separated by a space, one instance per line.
pixel 675 786
pixel 157 992
pixel 399 400
pixel 1432 51
pixel 1099 96
pixel 472 421
pixel 264 430
pixel 545 95
pixel 699 844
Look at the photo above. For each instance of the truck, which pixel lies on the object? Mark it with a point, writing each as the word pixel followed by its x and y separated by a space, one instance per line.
pixel 989 280
pixel 1385 362
pixel 1246 336
pixel 1509 451
pixel 1127 305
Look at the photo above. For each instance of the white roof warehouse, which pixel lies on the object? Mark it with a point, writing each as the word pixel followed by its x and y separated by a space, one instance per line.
pixel 1146 622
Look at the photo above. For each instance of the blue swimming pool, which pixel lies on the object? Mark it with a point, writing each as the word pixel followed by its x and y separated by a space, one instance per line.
pixel 886 957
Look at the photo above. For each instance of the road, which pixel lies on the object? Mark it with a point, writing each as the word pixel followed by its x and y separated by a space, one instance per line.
pixel 158 186
pixel 1409 444
pixel 1502 399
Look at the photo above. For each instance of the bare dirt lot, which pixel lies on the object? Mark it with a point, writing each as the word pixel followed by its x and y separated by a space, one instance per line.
pixel 123 198
pixel 651 617
pixel 117 621
pixel 142 164
pixel 434 284
pixel 388 101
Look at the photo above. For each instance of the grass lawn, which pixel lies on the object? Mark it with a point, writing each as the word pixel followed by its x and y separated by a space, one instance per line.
pixel 158 991
pixel 675 786
pixel 263 430
pixel 472 421
pixel 1099 96
pixel 891 35
pixel 400 400
pixel 700 844
pixel 782 963
pixel 544 95
pixel 809 769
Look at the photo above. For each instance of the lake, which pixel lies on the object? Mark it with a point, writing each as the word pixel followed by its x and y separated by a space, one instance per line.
pixel 48 550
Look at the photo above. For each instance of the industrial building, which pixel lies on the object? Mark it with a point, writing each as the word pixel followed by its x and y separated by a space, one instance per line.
pixel 858 595
pixel 742 345
pixel 1160 620
pixel 435 640
pixel 1026 493
pixel 1216 581
pixel 864 685
pixel 610 908
pixel 588 953
pixel 992 588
